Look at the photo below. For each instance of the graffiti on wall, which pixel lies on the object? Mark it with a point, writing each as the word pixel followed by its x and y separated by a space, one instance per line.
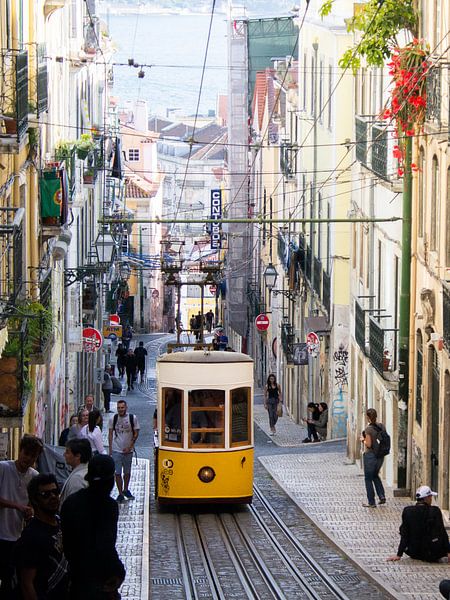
pixel 340 391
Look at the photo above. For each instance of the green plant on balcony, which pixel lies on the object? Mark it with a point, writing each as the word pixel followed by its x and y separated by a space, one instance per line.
pixel 88 176
pixel 84 145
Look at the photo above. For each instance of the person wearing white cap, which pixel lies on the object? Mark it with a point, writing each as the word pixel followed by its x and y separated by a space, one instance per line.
pixel 422 532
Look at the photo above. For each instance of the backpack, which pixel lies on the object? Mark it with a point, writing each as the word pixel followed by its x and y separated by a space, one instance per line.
pixel 117 386
pixel 381 445
pixel 116 416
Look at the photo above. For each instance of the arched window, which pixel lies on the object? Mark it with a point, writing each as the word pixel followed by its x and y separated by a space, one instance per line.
pixel 421 193
pixel 419 377
pixel 434 209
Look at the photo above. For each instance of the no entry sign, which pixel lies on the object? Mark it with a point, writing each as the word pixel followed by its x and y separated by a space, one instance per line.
pixel 262 322
pixel 92 339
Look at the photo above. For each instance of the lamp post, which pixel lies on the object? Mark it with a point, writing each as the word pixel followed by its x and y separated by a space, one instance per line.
pixel 105 247
pixel 270 277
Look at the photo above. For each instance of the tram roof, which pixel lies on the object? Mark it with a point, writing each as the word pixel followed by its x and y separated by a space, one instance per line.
pixel 216 356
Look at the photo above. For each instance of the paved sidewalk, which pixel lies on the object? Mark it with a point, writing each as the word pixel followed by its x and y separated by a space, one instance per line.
pixel 331 492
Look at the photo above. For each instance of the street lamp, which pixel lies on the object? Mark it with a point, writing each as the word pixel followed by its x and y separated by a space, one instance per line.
pixel 270 277
pixel 105 247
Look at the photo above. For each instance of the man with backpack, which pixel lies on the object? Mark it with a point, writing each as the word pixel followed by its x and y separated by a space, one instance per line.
pixel 377 444
pixel 123 433
pixel 423 534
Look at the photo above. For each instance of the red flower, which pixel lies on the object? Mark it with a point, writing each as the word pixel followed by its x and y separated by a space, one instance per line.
pixel 400 172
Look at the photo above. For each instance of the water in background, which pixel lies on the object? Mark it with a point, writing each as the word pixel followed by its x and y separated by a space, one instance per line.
pixel 175 45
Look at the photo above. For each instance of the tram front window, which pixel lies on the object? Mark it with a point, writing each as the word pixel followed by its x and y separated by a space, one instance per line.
pixel 173 420
pixel 240 417
pixel 206 418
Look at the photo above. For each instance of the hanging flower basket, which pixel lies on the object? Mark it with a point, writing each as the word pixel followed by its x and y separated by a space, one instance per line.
pixel 82 154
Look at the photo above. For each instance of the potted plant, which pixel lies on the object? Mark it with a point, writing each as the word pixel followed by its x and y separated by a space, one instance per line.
pixel 88 176
pixel 84 145
pixel 10 123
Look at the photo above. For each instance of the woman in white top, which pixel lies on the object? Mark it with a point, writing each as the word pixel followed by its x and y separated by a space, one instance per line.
pixel 92 431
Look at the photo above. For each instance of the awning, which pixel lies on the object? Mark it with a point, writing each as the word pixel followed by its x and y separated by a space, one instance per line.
pixel 317 324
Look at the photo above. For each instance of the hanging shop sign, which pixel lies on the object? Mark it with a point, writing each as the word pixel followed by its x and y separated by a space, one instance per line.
pixel 112 332
pixel 216 215
pixel 92 339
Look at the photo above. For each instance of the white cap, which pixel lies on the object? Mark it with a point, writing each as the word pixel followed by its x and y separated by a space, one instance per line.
pixel 423 492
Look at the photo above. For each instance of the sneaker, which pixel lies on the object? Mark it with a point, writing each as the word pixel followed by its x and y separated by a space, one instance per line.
pixel 315 441
pixel 306 441
pixel 120 499
pixel 382 501
pixel 369 505
pixel 128 495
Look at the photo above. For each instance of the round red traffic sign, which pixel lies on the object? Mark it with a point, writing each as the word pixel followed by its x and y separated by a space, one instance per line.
pixel 114 319
pixel 312 339
pixel 262 322
pixel 92 339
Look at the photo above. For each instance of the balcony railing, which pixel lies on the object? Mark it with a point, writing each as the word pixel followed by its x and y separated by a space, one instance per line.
pixel 446 315
pixel 360 326
pixel 434 94
pixel 92 35
pixel 287 160
pixel 308 263
pixel 287 341
pixel 14 98
pixel 362 134
pixel 11 254
pixel 317 276
pixel 326 292
pixel 302 254
pixel 383 347
pixel 382 161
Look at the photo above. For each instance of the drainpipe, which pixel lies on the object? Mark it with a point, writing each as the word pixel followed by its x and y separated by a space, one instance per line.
pixel 403 387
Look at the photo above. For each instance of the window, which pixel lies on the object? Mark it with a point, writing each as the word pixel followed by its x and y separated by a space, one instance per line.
pixel 172 417
pixel 447 243
pixel 133 154
pixel 321 91
pixel 330 92
pixel 206 418
pixel 421 192
pixel 419 377
pixel 328 257
pixel 313 90
pixel 305 68
pixel 434 216
pixel 240 417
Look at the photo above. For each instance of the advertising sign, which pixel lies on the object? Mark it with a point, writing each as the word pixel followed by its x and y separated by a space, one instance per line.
pixel 300 354
pixel 312 341
pixel 92 339
pixel 262 322
pixel 216 214
pixel 112 332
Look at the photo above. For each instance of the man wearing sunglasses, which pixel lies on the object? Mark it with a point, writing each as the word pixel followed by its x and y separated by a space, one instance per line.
pixel 41 567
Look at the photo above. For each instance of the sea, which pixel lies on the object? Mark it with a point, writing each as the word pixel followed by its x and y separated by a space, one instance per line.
pixel 170 51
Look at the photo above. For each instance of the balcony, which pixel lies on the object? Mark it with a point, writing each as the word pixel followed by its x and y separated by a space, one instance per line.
pixel 288 340
pixel 360 327
pixel 434 95
pixel 446 316
pixel 11 254
pixel 302 254
pixel 362 129
pixel 287 160
pixel 13 100
pixel 383 348
pixel 326 292
pixel 92 36
pixel 317 276
pixel 383 163
pixel 38 83
pixel 308 263
pixel 53 188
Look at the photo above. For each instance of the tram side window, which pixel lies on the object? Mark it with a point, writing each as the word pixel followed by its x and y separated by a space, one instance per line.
pixel 173 419
pixel 240 416
pixel 206 418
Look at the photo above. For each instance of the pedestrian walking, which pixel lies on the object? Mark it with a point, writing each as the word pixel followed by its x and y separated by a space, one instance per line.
pixel 93 432
pixel 121 352
pixel 15 475
pixel 140 353
pixel 77 454
pixel 107 387
pixel 40 565
pixel 82 420
pixel 198 326
pixel 372 462
pixel 209 317
pixel 65 432
pixel 89 403
pixel 127 336
pixel 89 527
pixel 130 366
pixel 422 533
pixel 123 433
pixel 272 401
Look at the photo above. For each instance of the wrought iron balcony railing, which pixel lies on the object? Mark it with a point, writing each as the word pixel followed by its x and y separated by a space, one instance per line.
pixel 382 347
pixel 14 98
pixel 11 254
pixel 434 94
pixel 38 82
pixel 287 160
pixel 317 276
pixel 446 316
pixel 362 129
pixel 360 326
pixel 326 292
pixel 382 161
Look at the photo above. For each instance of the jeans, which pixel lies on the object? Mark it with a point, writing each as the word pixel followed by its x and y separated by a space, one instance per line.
pixel 312 433
pixel 107 398
pixel 273 415
pixel 372 466
pixel 6 568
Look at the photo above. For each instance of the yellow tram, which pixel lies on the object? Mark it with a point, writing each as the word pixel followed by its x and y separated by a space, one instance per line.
pixel 205 428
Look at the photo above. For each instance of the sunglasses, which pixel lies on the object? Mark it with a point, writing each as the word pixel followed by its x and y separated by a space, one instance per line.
pixel 48 493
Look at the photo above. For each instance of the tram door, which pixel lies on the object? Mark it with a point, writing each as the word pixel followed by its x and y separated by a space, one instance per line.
pixel 434 455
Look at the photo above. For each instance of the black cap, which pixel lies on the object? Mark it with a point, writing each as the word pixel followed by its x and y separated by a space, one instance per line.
pixel 100 468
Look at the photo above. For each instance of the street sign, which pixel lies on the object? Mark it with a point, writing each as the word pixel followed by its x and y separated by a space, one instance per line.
pixel 262 322
pixel 112 332
pixel 114 319
pixel 212 289
pixel 92 339
pixel 312 342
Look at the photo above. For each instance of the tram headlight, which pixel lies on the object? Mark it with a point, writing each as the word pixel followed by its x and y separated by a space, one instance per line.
pixel 206 474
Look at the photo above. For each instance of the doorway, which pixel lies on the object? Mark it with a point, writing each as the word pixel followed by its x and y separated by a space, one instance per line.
pixel 434 404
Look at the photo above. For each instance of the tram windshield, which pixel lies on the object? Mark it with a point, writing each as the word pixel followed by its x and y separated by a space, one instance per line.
pixel 206 418
pixel 173 416
pixel 240 417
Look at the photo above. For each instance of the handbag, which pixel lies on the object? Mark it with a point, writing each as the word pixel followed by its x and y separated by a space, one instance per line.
pixel 280 409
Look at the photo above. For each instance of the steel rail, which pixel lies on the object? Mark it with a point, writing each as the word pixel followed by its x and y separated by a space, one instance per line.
pixel 208 564
pixel 318 570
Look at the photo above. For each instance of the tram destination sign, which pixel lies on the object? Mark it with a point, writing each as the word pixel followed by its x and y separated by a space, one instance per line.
pixel 216 215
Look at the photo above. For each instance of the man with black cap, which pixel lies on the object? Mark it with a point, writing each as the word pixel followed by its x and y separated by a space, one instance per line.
pixel 89 527
pixel 423 535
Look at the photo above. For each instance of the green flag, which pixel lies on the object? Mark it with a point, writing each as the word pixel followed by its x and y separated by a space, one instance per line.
pixel 51 197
